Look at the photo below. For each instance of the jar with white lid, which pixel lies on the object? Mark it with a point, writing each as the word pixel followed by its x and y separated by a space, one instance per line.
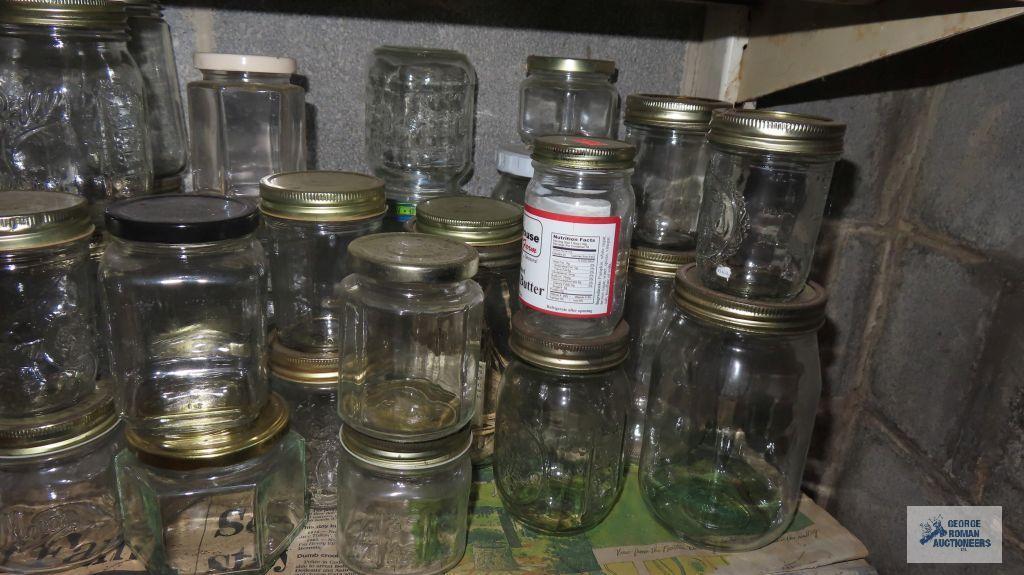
pixel 515 168
pixel 568 96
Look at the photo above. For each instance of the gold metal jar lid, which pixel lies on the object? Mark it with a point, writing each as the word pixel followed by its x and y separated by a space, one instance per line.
pixel 559 64
pixel 583 153
pixel 141 8
pixel 412 258
pixel 658 263
pixel 576 354
pixel 30 220
pixel 682 112
pixel 803 314
pixel 214 449
pixel 61 430
pixel 781 132
pixel 474 220
pixel 319 370
pixel 95 14
pixel 322 196
pixel 405 456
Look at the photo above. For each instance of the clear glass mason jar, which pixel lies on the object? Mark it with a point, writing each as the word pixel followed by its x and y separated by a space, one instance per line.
pixel 72 102
pixel 734 392
pixel 495 229
pixel 230 503
pixel 576 235
pixel 247 120
pixel 403 508
pixel 58 504
pixel 184 287
pixel 558 459
pixel 764 198
pixel 309 218
pixel 515 168
pixel 411 321
pixel 669 133
pixel 47 304
pixel 649 308
pixel 569 96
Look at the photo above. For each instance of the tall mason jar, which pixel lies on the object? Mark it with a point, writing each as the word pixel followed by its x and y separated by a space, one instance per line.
pixel 734 391
pixel 569 96
pixel 247 120
pixel 671 157
pixel 72 102
pixel 184 286
pixel 515 169
pixel 495 229
pixel 764 198
pixel 577 226
pixel 558 459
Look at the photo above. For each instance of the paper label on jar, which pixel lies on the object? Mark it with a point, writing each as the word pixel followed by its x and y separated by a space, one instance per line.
pixel 568 265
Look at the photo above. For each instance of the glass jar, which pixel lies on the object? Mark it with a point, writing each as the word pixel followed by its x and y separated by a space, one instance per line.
pixel 309 218
pixel 230 503
pixel 184 288
pixel 649 307
pixel 558 460
pixel 495 229
pixel 764 198
pixel 570 96
pixel 58 505
pixel 671 157
pixel 411 320
pixel 72 103
pixel 734 391
pixel 576 235
pixel 247 120
pixel 420 110
pixel 48 348
pixel 403 507
pixel 308 384
pixel 515 168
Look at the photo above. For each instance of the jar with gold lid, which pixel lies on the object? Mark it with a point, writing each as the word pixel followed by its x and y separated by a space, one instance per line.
pixel 569 96
pixel 734 391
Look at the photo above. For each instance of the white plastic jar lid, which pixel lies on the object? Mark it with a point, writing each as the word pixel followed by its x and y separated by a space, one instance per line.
pixel 515 159
pixel 244 63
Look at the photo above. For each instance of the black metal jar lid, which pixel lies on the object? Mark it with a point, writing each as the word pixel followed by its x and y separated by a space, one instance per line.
pixel 181 219
pixel 405 455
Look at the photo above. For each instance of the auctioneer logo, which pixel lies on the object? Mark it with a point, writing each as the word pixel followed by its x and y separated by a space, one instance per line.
pixel 954 534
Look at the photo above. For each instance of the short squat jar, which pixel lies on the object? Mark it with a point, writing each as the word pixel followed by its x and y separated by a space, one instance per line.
pixel 246 120
pixel 734 391
pixel 58 500
pixel 764 198
pixel 558 459
pixel 48 348
pixel 184 288
pixel 570 96
pixel 669 133
pixel 403 508
pixel 411 319
pixel 515 168
pixel 577 226
pixel 230 503
pixel 309 219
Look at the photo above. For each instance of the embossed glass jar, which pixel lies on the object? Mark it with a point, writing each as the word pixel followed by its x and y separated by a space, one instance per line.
pixel 515 168
pixel 570 96
pixel 403 507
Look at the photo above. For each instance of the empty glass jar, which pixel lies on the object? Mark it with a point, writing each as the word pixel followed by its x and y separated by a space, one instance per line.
pixel 671 157
pixel 309 218
pixel 576 235
pixel 403 507
pixel 764 198
pixel 184 288
pixel 558 460
pixel 411 320
pixel 734 391
pixel 515 168
pixel 247 120
pixel 571 96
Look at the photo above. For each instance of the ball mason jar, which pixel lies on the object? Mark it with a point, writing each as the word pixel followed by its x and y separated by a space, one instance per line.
pixel 764 198
pixel 734 391
pixel 403 508
pixel 515 168
pixel 58 499
pixel 246 120
pixel 48 348
pixel 411 321
pixel 233 502
pixel 495 229
pixel 577 226
pixel 569 96
pixel 309 218
pixel 669 133
pixel 184 287
pixel 558 459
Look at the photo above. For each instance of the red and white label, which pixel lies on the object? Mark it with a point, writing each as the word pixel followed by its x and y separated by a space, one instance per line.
pixel 568 265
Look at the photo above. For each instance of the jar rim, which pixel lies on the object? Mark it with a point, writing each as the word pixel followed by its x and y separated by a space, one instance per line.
pixel 535 63
pixel 99 15
pixel 571 354
pixel 666 111
pixel 657 262
pixel 583 152
pixel 406 455
pixel 60 431
pixel 39 219
pixel 775 131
